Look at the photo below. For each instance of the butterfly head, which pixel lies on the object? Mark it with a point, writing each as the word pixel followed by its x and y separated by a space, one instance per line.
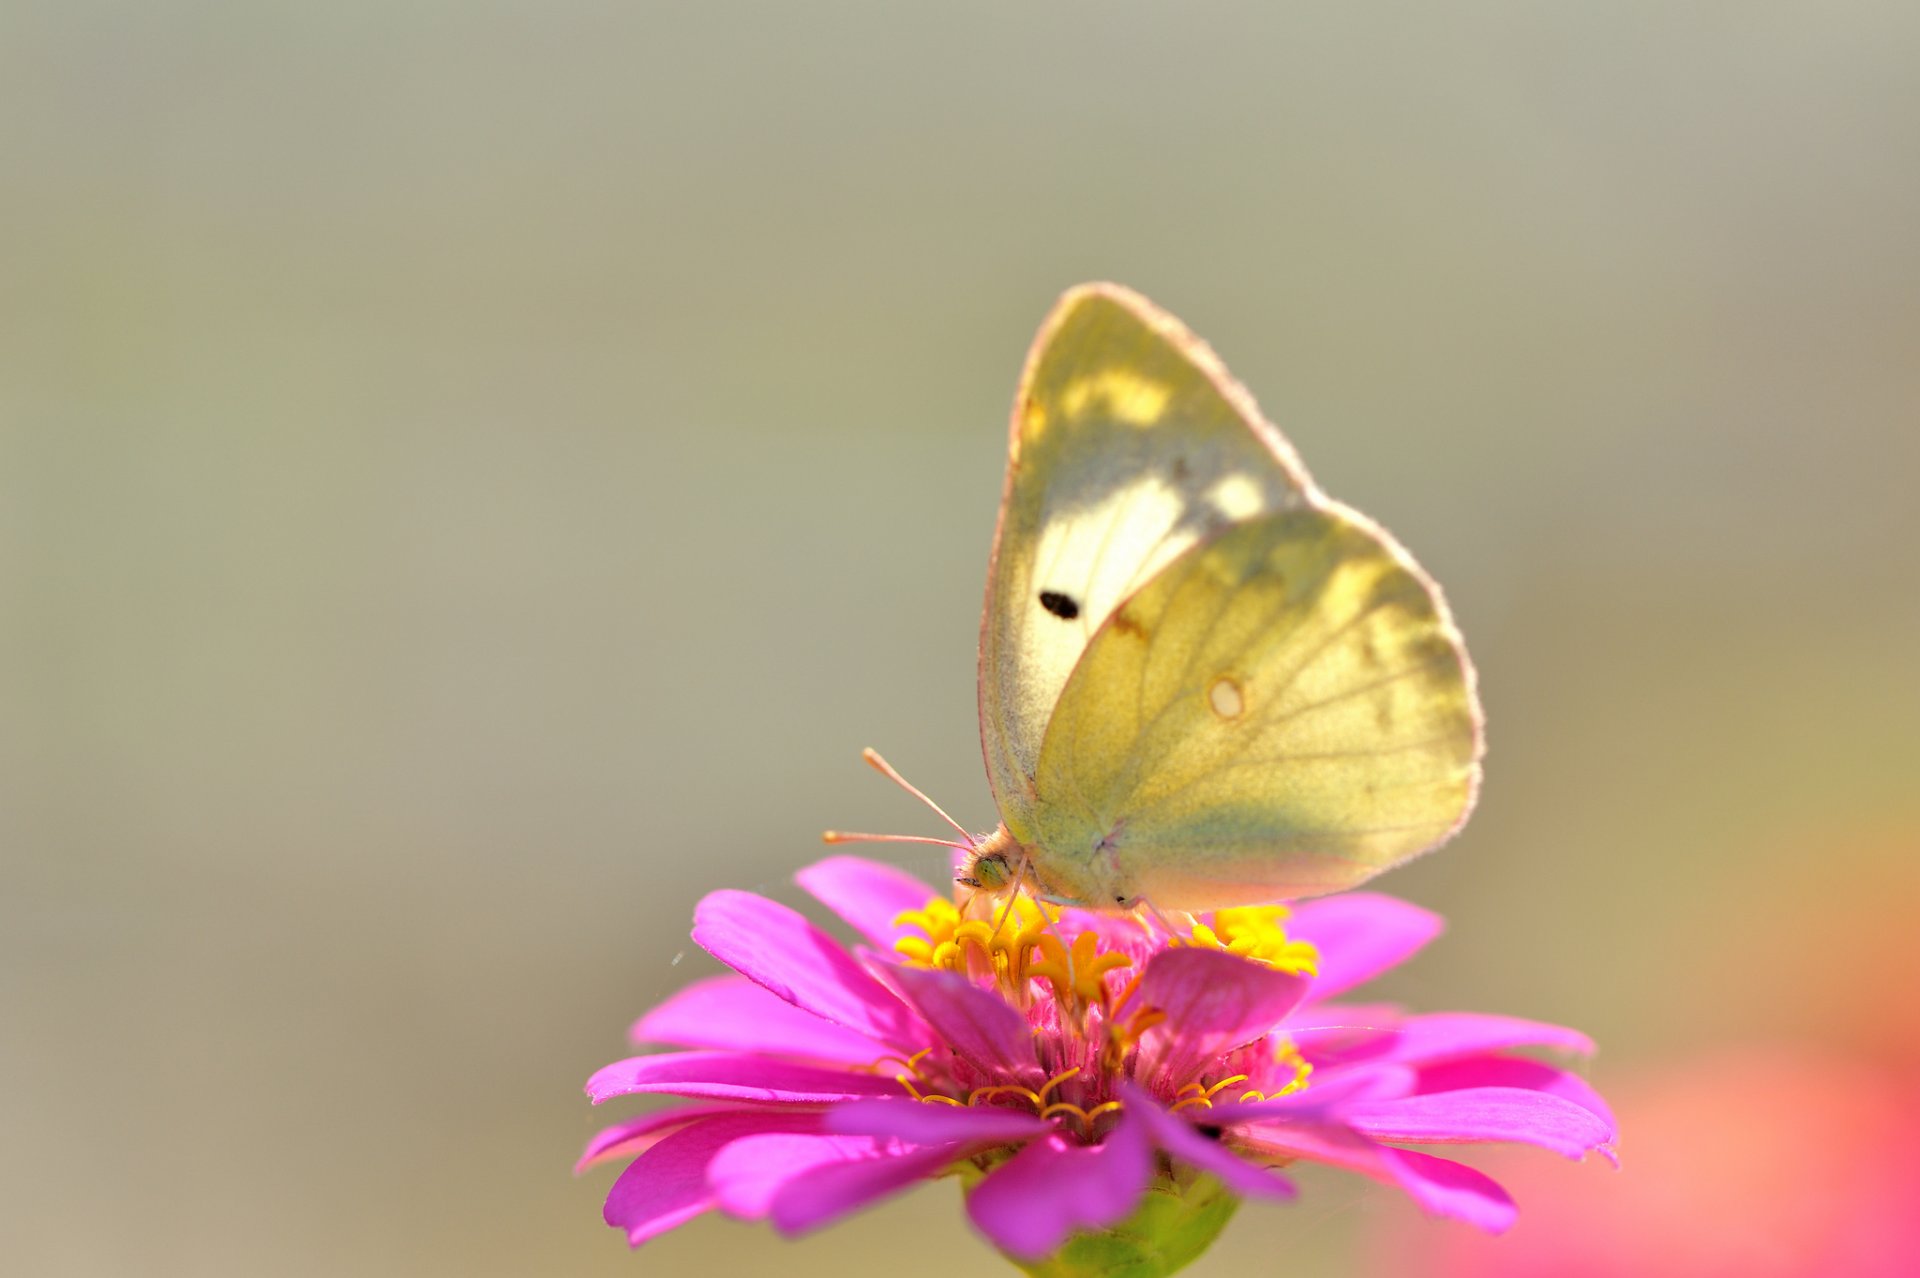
pixel 1001 864
pixel 995 865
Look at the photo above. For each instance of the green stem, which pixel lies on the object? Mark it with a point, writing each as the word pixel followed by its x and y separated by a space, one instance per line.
pixel 1177 1220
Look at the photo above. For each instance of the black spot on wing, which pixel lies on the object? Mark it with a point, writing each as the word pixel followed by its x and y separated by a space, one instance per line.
pixel 1061 606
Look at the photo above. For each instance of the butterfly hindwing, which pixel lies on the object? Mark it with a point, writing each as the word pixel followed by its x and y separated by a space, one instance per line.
pixel 1285 710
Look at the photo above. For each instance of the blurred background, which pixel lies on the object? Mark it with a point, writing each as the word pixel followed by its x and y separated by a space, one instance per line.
pixel 472 477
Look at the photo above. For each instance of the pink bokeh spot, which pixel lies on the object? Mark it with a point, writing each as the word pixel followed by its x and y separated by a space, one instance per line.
pixel 1760 1162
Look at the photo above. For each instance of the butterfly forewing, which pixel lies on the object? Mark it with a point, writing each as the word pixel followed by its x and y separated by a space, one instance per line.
pixel 1130 445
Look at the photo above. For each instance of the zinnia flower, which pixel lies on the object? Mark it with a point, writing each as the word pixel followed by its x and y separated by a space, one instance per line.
pixel 1105 1092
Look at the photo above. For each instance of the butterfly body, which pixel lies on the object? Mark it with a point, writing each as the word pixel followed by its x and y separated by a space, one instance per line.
pixel 1202 682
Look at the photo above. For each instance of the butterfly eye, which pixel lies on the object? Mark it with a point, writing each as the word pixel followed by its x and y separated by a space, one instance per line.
pixel 990 872
pixel 1061 606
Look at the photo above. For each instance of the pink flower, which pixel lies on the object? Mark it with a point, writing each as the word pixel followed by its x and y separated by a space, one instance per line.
pixel 1061 1065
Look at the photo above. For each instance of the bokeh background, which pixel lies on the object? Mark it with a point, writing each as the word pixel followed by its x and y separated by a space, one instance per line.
pixel 473 476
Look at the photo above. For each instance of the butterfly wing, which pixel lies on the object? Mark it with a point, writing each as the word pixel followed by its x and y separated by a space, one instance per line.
pixel 1284 710
pixel 1130 445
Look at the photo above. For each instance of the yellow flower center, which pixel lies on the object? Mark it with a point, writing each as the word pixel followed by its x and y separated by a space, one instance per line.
pixel 1256 932
pixel 1003 946
pixel 1082 976
pixel 1021 944
pixel 1285 1054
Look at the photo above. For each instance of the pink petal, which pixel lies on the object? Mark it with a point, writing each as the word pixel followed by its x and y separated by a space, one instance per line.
pixel 624 1140
pixel 808 1202
pixel 867 894
pixel 1031 1202
pixel 1183 1142
pixel 747 1174
pixel 1214 1002
pixel 1515 1071
pixel 1476 1114
pixel 667 1185
pixel 1315 1139
pixel 1360 935
pixel 804 1180
pixel 1326 1099
pixel 1447 1188
pixel 780 950
pixel 1442 1035
pixel 1330 1032
pixel 978 1027
pixel 1441 1187
pixel 735 1076
pixel 1438 1036
pixel 732 1013
pixel 921 1123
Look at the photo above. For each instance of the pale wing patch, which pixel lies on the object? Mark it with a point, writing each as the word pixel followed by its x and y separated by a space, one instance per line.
pixel 1117 393
pixel 1102 552
pixel 1236 497
pixel 1096 555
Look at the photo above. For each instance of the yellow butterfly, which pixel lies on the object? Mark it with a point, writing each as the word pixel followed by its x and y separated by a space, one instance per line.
pixel 1203 682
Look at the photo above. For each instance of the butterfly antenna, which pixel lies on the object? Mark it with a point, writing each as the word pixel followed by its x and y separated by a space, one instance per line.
pixel 855 836
pixel 887 770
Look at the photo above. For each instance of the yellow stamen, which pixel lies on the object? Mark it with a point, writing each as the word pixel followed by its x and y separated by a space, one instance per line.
pixel 1086 1117
pixel 911 1063
pixel 1082 977
pixel 1256 932
pixel 979 1094
pixel 1286 1053
pixel 955 943
pixel 1056 1080
pixel 1124 1034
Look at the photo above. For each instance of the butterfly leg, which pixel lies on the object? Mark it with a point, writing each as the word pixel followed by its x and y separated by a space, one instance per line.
pixel 1148 907
pixel 1013 893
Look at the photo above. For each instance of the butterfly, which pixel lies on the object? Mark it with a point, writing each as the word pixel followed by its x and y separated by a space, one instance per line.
pixel 1203 682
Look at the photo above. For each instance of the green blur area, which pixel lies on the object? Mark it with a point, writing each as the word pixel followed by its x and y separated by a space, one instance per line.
pixel 473 477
